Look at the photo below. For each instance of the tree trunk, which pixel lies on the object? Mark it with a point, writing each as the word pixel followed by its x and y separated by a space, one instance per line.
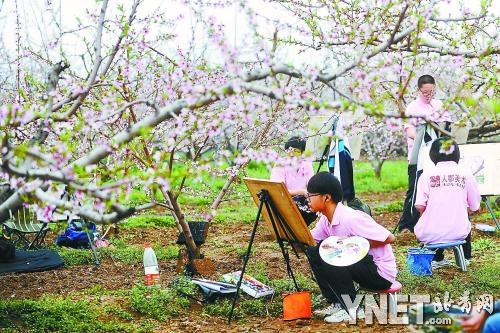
pixel 182 225
pixel 377 167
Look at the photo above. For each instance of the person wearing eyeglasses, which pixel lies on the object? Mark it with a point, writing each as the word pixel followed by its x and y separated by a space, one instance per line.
pixel 418 132
pixel 296 176
pixel 376 271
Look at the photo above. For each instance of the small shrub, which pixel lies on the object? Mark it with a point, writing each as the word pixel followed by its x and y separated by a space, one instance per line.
pixel 254 307
pixel 148 221
pixel 245 213
pixel 128 254
pixel 118 311
pixel 221 308
pixel 157 303
pixel 76 257
pixel 393 207
pixel 55 314
pixel 287 285
pixel 483 244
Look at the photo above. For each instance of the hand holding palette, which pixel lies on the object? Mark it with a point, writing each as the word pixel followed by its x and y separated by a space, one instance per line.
pixel 343 251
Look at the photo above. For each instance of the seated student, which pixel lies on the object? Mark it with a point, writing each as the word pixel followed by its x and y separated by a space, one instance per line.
pixel 295 177
pixel 444 193
pixel 483 321
pixel 376 271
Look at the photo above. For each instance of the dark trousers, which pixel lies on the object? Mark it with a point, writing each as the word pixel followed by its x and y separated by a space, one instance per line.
pixel 467 250
pixel 410 215
pixel 332 279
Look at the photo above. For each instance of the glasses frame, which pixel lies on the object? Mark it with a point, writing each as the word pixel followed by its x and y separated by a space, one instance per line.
pixel 427 93
pixel 309 195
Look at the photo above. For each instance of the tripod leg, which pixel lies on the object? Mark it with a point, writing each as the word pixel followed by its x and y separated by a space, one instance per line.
pixel 92 247
pixel 247 256
pixel 487 203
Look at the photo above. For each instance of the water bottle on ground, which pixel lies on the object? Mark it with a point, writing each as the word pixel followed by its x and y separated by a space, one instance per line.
pixel 151 270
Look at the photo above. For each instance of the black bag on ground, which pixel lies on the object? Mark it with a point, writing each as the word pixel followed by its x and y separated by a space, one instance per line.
pixel 32 261
pixel 7 250
pixel 357 204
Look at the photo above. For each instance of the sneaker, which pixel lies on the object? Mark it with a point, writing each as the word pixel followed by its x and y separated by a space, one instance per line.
pixel 440 264
pixel 342 316
pixel 329 310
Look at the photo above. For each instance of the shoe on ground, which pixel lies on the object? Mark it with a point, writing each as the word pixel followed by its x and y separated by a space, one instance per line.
pixel 342 315
pixel 329 310
pixel 440 264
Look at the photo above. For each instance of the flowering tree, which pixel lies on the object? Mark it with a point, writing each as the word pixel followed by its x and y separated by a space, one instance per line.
pixel 134 99
pixel 382 143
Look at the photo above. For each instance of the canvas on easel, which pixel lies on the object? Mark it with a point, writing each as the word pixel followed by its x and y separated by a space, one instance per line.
pixel 483 160
pixel 285 206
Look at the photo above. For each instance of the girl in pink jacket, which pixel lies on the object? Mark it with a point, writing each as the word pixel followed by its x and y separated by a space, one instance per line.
pixel 444 193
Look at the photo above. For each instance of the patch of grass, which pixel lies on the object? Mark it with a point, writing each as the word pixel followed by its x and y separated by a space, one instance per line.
pixel 257 170
pixel 286 285
pixel 240 251
pixel 245 213
pixel 480 278
pixel 148 221
pixel 483 244
pixel 195 200
pixel 394 177
pixel 75 257
pixel 116 310
pixel 128 254
pixel 261 307
pixel 487 216
pixel 396 206
pixel 258 270
pixel 157 303
pixel 486 278
pixel 56 314
pixel 222 308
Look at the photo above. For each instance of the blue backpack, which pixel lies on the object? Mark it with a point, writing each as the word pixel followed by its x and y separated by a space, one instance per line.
pixel 76 236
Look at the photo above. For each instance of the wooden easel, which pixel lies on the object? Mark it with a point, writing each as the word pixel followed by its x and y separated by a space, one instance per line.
pixel 283 220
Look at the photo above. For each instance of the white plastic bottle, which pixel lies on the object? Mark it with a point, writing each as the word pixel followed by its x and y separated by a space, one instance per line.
pixel 151 270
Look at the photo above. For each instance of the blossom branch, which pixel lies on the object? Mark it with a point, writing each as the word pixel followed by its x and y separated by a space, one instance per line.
pixel 86 211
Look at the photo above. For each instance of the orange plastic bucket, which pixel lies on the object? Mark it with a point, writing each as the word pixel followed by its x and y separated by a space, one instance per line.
pixel 297 306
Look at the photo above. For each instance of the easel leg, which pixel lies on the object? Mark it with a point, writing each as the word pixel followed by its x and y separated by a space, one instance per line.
pixel 282 245
pixel 247 256
pixel 487 203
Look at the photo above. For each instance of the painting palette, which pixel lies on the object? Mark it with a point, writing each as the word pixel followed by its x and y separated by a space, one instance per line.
pixel 343 251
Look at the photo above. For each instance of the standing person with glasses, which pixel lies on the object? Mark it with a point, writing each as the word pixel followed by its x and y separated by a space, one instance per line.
pixel 421 111
pixel 376 271
pixel 296 176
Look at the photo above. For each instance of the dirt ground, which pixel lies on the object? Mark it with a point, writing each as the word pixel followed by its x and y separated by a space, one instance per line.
pixel 116 275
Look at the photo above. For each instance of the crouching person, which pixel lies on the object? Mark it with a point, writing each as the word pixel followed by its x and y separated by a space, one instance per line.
pixel 376 271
